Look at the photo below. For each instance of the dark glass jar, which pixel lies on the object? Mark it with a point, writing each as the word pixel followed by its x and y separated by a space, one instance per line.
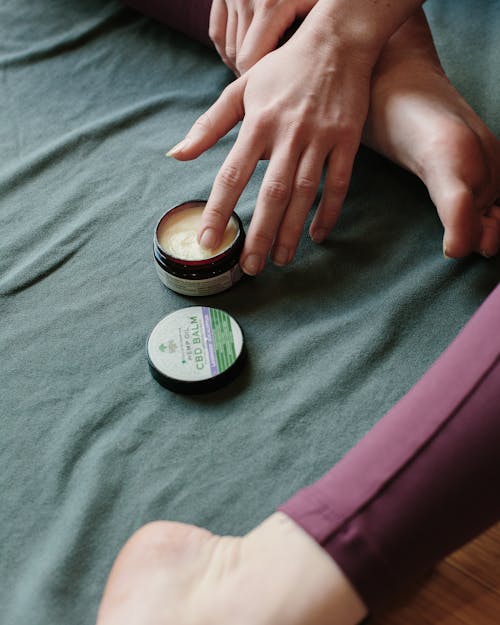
pixel 177 253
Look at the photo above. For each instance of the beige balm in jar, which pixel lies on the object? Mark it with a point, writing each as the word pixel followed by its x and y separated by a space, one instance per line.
pixel 186 267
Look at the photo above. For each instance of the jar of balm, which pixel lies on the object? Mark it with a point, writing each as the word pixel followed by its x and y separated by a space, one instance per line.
pixel 186 267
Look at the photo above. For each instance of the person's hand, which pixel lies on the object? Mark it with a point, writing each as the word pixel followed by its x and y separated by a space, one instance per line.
pixel 303 106
pixel 243 31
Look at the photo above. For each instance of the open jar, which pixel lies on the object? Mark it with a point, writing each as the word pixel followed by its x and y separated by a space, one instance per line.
pixel 187 268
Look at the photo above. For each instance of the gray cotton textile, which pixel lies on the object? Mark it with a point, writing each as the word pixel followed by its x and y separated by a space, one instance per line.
pixel 91 447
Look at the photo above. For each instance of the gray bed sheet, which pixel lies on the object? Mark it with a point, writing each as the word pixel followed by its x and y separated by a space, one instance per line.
pixel 91 447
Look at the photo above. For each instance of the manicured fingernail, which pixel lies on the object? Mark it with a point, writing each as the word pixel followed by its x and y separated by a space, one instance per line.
pixel 319 235
pixel 178 147
pixel 208 239
pixel 280 256
pixel 252 264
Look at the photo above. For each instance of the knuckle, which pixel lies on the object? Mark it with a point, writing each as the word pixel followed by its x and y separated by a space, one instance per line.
pixel 228 92
pixel 347 131
pixel 343 129
pixel 329 212
pixel 262 240
pixel 295 132
pixel 214 216
pixel 339 185
pixel 461 199
pixel 203 123
pixel 293 232
pixel 305 185
pixel 216 35
pixel 463 195
pixel 231 98
pixel 275 190
pixel 263 121
pixel 230 176
pixel 266 5
pixel 230 52
pixel 243 62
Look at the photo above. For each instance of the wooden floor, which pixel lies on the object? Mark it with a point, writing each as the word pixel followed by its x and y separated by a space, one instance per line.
pixel 463 590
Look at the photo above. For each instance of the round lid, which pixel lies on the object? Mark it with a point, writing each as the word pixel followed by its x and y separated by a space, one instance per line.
pixel 195 350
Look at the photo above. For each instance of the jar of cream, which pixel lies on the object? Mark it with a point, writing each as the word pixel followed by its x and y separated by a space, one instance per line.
pixel 186 267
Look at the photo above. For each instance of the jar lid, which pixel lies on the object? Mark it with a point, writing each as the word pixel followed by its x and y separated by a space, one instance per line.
pixel 196 350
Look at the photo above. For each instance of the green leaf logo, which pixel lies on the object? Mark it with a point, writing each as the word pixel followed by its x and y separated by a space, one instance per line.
pixel 170 347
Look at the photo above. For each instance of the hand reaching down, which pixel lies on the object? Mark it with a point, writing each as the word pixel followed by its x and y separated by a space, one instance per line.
pixel 303 107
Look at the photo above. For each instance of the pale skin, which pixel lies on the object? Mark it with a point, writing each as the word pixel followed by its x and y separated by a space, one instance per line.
pixel 178 574
pixel 304 107
pixel 243 31
pixel 418 120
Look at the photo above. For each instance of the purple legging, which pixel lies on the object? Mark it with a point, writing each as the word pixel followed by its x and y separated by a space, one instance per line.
pixel 426 478
pixel 187 16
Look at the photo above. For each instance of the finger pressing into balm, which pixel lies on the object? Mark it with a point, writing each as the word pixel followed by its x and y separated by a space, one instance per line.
pixel 177 233
pixel 183 265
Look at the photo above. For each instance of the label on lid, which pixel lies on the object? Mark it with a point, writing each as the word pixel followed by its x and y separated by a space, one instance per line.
pixel 196 343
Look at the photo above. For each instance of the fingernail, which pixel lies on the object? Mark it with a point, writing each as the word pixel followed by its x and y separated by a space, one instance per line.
pixel 252 264
pixel 178 147
pixel 485 254
pixel 445 254
pixel 319 235
pixel 208 239
pixel 280 256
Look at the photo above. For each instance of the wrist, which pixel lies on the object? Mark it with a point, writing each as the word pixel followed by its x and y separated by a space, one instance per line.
pixel 332 42
pixel 359 26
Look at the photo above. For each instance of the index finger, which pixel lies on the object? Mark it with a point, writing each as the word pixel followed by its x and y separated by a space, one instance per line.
pixel 229 183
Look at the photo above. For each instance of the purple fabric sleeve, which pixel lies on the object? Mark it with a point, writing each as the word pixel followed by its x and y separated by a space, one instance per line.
pixel 189 17
pixel 425 479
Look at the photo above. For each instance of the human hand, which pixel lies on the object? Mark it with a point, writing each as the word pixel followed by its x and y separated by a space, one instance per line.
pixel 243 31
pixel 302 107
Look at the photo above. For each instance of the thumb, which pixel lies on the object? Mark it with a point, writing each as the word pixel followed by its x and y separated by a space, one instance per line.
pixel 223 115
